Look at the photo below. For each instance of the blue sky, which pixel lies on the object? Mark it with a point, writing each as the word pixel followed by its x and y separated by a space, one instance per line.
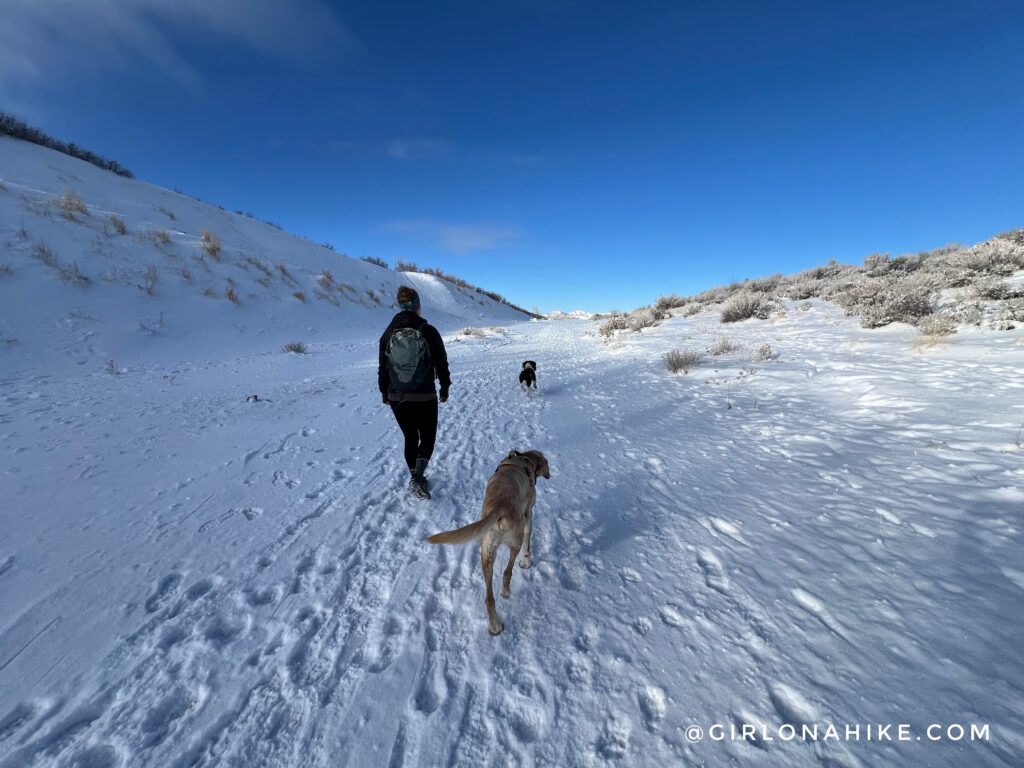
pixel 566 154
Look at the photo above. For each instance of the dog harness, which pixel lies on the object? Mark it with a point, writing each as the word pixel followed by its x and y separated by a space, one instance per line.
pixel 516 459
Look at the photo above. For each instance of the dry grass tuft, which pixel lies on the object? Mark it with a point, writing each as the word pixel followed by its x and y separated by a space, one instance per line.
pixel 211 244
pixel 232 295
pixel 70 204
pixel 300 296
pixel 326 281
pixel 722 346
pixel 68 273
pixel 295 347
pixel 118 224
pixel 149 280
pixel 682 360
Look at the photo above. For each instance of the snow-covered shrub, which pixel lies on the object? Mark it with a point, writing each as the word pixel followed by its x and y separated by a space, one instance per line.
pixel 722 346
pixel 231 295
pixel 998 256
pixel 295 347
pixel 805 289
pixel 376 260
pixel 670 301
pixel 876 263
pixel 1013 311
pixel 645 318
pixel 892 298
pixel 936 325
pixel 162 237
pixel 995 288
pixel 617 322
pixel 681 360
pixel 691 309
pixel 745 305
pixel 118 224
pixel 300 296
pixel 763 284
pixel 634 321
pixel 764 352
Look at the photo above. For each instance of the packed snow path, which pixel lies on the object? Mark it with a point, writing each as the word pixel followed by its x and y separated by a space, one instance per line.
pixel 831 536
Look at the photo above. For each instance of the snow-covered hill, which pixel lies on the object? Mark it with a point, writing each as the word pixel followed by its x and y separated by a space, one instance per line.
pixel 95 267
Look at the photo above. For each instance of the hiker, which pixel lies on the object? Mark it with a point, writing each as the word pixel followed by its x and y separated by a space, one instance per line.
pixel 412 355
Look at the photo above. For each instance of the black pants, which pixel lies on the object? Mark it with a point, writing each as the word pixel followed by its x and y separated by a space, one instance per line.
pixel 418 422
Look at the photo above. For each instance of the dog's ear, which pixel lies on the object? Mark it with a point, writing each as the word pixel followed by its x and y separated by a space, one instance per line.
pixel 540 464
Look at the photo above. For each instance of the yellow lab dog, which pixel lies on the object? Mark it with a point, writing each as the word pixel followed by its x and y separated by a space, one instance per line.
pixel 507 518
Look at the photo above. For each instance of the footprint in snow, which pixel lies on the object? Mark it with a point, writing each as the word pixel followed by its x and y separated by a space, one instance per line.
pixel 653 707
pixel 614 741
pixel 816 608
pixel 671 616
pixel 714 573
pixel 164 592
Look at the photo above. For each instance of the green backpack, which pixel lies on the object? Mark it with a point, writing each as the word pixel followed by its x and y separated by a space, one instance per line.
pixel 408 360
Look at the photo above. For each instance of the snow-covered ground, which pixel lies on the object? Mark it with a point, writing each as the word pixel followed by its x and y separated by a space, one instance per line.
pixel 832 535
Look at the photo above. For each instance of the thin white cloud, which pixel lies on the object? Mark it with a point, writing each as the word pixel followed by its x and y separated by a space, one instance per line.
pixel 413 149
pixel 460 239
pixel 48 39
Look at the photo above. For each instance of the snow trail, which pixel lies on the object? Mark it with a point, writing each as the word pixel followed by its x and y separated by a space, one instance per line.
pixel 828 548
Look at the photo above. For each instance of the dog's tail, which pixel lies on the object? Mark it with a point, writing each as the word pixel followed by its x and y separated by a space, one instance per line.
pixel 471 532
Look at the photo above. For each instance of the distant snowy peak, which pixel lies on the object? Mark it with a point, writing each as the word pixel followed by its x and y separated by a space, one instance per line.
pixel 576 314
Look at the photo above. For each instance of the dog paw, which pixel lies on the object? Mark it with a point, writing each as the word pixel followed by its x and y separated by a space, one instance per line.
pixel 524 561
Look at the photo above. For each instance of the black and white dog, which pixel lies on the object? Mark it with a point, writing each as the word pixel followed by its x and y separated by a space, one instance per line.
pixel 528 376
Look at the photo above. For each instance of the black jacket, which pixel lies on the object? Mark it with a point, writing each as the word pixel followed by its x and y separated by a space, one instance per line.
pixel 438 359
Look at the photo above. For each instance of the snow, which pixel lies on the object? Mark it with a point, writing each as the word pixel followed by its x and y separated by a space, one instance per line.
pixel 189 579
pixel 56 326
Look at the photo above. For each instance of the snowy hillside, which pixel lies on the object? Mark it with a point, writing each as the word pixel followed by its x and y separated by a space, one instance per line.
pixel 95 267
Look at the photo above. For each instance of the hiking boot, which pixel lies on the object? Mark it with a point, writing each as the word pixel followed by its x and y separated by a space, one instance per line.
pixel 418 487
pixel 421 468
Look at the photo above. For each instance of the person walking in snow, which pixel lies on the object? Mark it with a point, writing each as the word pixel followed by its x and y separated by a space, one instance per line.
pixel 412 356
